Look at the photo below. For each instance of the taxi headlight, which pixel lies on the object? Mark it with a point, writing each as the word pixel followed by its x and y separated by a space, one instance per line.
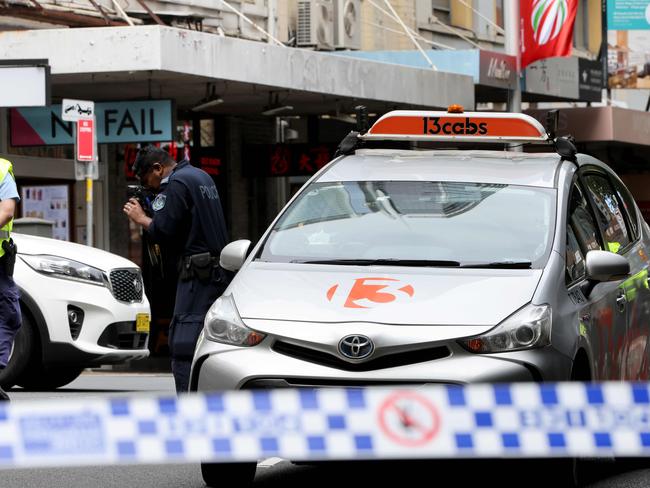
pixel 223 324
pixel 59 267
pixel 528 328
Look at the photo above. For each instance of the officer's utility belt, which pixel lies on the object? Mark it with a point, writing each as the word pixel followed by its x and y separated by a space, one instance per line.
pixel 198 266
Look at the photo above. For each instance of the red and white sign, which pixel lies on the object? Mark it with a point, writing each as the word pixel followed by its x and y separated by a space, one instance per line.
pixel 409 419
pixel 86 140
pixel 546 29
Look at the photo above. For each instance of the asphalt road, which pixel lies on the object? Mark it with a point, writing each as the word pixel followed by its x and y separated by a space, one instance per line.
pixel 275 472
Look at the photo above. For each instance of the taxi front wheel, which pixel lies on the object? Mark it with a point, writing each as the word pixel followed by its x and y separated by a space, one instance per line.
pixel 222 474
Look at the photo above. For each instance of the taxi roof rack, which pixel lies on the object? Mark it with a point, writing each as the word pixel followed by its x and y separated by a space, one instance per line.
pixel 455 125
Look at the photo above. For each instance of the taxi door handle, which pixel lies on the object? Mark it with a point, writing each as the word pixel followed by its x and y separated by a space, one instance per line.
pixel 621 301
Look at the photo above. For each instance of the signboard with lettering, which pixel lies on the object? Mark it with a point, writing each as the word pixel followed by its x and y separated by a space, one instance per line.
pixel 85 140
pixel 555 77
pixel 497 70
pixel 591 80
pixel 133 121
pixel 628 39
pixel 286 159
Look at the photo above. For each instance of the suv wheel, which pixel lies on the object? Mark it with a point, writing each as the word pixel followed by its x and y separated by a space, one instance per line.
pixel 22 355
pixel 240 474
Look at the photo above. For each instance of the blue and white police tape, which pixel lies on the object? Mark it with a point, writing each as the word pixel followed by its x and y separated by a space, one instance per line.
pixel 518 420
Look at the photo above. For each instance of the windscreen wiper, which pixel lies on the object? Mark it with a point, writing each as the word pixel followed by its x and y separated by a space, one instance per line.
pixel 501 265
pixel 386 262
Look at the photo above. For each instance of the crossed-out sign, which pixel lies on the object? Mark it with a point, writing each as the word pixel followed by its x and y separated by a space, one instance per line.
pixel 409 419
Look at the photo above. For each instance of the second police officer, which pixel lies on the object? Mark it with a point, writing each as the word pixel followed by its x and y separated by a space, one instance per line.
pixel 10 318
pixel 189 225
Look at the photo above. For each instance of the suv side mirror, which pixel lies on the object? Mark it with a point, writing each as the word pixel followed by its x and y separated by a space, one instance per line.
pixel 604 266
pixel 234 254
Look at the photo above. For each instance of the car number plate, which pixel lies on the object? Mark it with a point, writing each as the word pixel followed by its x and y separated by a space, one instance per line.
pixel 142 322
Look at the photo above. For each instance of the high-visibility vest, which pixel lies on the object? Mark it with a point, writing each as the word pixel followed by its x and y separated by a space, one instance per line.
pixel 5 232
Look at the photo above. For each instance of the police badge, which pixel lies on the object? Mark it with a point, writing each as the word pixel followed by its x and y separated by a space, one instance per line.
pixel 159 202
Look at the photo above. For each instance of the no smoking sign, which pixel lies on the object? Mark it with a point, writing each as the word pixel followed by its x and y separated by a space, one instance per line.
pixel 409 419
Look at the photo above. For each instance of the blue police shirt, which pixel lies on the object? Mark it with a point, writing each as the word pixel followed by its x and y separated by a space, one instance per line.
pixel 8 189
pixel 188 218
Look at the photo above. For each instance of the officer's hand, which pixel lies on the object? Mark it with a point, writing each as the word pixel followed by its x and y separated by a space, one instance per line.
pixel 134 211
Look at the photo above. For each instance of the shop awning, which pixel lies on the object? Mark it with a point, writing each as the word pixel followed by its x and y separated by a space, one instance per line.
pixel 112 63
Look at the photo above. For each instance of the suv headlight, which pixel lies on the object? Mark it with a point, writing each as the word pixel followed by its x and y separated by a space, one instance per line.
pixel 68 269
pixel 223 324
pixel 527 328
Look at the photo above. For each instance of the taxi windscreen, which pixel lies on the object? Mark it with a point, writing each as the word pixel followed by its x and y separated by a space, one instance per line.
pixel 416 223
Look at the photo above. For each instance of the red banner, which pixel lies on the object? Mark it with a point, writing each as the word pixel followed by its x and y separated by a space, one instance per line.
pixel 546 29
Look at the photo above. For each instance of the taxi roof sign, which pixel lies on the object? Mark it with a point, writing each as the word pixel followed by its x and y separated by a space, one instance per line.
pixel 411 125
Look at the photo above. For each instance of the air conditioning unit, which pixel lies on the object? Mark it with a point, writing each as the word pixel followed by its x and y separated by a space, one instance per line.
pixel 347 24
pixel 316 24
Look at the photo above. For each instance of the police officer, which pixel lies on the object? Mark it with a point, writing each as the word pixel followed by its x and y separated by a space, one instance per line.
pixel 188 224
pixel 10 318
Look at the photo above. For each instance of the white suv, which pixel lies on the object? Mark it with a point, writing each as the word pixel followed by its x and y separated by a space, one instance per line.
pixel 81 307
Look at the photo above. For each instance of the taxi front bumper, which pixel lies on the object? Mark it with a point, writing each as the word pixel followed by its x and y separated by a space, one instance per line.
pixel 222 367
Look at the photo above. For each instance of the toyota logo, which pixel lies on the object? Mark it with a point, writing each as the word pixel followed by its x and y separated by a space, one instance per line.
pixel 356 347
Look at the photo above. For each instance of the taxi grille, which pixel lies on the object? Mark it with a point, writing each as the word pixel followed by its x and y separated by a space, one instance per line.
pixel 126 285
pixel 383 362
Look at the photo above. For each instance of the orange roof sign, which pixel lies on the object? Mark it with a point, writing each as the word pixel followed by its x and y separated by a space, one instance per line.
pixel 445 126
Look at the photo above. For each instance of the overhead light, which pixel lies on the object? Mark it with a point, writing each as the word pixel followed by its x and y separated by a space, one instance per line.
pixel 211 99
pixel 277 110
pixel 348 119
pixel 274 106
pixel 205 104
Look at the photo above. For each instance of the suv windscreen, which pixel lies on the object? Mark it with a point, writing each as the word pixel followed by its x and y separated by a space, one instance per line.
pixel 437 222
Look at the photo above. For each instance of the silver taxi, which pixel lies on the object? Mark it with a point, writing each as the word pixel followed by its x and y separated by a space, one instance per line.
pixel 395 266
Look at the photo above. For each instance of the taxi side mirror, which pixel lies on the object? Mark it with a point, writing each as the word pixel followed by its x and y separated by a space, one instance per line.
pixel 234 254
pixel 604 266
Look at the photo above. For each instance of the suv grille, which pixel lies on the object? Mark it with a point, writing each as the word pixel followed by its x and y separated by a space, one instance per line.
pixel 122 335
pixel 126 285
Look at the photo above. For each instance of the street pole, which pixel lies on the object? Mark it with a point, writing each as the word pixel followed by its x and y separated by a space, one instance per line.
pixel 512 33
pixel 89 205
pixel 89 189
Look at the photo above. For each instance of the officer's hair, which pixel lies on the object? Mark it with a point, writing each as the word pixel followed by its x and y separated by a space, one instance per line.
pixel 149 155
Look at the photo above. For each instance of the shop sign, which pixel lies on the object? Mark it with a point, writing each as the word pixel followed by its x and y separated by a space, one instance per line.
pixel 628 40
pixel 554 77
pixel 286 159
pixel 591 80
pixel 497 70
pixel 133 121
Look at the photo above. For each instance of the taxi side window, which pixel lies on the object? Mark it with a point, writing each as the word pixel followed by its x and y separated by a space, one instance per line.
pixel 608 213
pixel 582 222
pixel 575 261
pixel 629 206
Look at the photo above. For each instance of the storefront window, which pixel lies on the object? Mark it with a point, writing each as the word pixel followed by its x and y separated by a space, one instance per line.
pixel 207 132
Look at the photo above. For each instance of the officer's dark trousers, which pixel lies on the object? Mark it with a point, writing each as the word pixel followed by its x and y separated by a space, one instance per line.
pixel 10 318
pixel 193 299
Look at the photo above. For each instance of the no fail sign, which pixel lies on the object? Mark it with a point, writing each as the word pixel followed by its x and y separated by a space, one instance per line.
pixel 86 140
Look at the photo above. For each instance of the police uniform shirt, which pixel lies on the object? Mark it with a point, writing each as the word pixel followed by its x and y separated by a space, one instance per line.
pixel 8 189
pixel 188 218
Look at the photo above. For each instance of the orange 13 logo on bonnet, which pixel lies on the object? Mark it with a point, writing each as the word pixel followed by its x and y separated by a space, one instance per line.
pixel 368 292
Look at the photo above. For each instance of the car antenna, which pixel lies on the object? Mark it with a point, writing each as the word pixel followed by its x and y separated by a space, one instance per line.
pixel 564 145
